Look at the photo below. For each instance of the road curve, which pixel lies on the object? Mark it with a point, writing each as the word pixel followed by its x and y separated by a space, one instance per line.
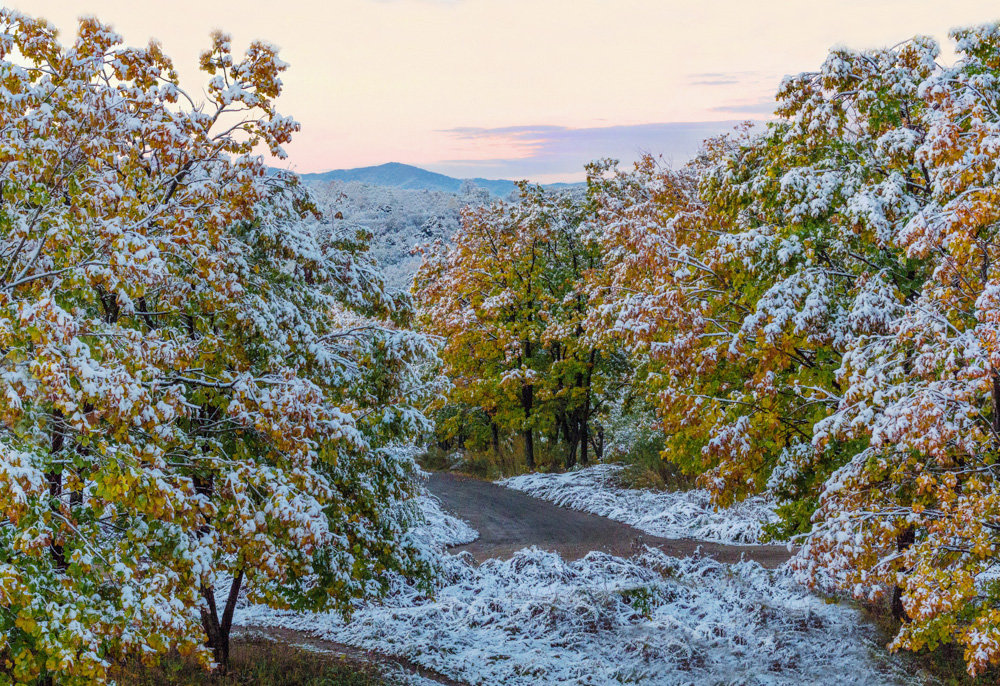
pixel 508 520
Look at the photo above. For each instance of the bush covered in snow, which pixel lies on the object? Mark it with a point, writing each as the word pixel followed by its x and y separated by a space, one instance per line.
pixel 670 514
pixel 439 529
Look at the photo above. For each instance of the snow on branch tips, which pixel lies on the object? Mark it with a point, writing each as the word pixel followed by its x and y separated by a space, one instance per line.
pixel 195 369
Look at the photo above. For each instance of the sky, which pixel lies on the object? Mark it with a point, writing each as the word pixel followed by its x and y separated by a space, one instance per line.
pixel 519 88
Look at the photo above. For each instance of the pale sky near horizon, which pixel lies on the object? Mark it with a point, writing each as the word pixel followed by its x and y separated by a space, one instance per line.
pixel 519 88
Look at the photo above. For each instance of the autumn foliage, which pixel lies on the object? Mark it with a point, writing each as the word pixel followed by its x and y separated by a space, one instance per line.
pixel 200 382
pixel 203 384
pixel 507 298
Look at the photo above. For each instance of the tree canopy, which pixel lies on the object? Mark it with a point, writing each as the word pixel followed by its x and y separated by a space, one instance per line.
pixel 202 382
pixel 507 296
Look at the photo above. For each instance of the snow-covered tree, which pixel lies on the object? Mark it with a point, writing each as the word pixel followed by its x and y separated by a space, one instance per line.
pixel 506 296
pixel 918 507
pixel 201 383
pixel 813 305
pixel 743 277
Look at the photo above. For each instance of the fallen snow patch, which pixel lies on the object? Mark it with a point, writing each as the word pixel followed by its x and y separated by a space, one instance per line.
pixel 651 619
pixel 439 528
pixel 676 514
pixel 605 620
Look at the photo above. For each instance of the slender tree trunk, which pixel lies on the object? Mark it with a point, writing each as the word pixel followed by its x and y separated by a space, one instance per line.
pixel 599 444
pixel 495 438
pixel 903 541
pixel 218 629
pixel 585 431
pixel 585 414
pixel 55 484
pixel 527 402
pixel 76 495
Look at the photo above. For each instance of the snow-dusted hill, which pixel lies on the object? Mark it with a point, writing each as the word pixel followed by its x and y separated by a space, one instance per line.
pixel 399 219
pixel 403 207
pixel 408 177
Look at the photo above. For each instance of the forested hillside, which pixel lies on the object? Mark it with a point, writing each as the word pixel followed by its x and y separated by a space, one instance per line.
pixel 402 211
pixel 408 177
pixel 394 221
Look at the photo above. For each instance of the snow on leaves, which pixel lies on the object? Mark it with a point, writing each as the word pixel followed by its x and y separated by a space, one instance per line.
pixel 817 302
pixel 200 379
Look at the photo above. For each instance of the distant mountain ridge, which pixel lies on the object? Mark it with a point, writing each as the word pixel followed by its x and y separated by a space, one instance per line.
pixel 408 177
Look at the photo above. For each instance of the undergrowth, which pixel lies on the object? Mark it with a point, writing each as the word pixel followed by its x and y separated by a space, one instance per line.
pixel 490 464
pixel 255 662
pixel 945 663
pixel 644 468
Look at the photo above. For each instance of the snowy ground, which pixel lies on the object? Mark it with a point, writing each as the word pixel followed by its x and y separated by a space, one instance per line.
pixel 651 619
pixel 440 529
pixel 681 514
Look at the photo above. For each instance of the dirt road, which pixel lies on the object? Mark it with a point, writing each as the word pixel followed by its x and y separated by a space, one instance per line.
pixel 508 520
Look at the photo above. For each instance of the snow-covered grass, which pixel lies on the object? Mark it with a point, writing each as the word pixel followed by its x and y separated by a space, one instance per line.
pixel 652 619
pixel 677 514
pixel 440 529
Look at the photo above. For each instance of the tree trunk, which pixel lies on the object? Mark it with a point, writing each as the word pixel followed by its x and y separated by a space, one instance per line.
pixel 218 630
pixel 898 611
pixel 55 484
pixel 903 541
pixel 572 439
pixel 599 444
pixel 527 400
pixel 495 438
pixel 585 418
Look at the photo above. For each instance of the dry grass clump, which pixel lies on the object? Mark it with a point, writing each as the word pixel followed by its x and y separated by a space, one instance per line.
pixel 255 661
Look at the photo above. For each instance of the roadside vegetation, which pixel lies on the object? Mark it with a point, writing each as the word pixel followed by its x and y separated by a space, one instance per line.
pixel 255 662
pixel 208 395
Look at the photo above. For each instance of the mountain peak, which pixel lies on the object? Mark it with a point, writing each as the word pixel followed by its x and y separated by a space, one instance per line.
pixel 406 176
